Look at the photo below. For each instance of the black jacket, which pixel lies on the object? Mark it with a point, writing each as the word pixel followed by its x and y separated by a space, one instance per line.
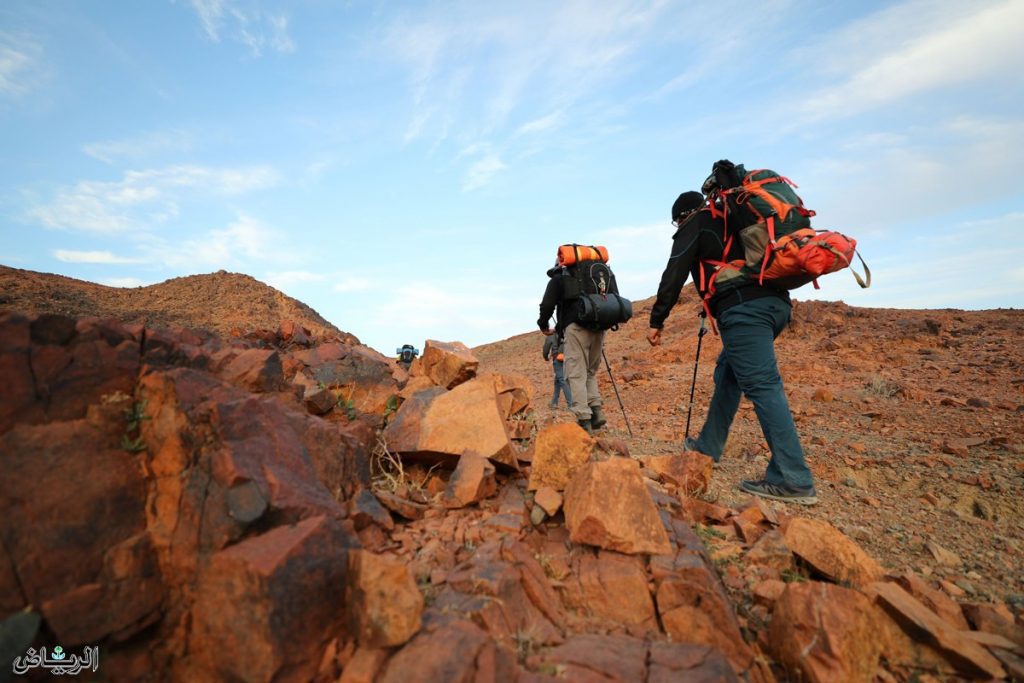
pixel 553 303
pixel 702 237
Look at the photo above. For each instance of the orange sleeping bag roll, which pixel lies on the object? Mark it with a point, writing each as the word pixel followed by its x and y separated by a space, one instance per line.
pixel 570 254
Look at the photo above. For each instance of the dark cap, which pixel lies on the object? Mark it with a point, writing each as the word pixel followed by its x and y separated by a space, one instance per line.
pixel 686 202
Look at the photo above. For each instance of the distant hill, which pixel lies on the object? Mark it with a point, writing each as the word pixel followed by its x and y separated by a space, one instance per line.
pixel 219 301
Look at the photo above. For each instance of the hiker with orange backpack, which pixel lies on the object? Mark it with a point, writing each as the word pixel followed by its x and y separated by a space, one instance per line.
pixel 750 314
pixel 582 291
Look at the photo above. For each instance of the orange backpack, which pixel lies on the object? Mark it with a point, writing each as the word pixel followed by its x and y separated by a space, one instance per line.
pixel 780 249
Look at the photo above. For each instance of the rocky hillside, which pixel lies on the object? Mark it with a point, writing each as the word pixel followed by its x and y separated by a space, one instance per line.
pixel 283 506
pixel 912 421
pixel 226 303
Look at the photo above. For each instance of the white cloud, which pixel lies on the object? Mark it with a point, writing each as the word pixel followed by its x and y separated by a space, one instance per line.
pixel 512 61
pixel 142 199
pixel 20 64
pixel 951 48
pixel 240 245
pixel 542 124
pixel 122 282
pixel 352 283
pixel 141 146
pixel 482 171
pixel 69 256
pixel 245 24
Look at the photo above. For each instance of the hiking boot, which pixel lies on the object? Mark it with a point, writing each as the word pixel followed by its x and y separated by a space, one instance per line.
pixel 597 418
pixel 587 426
pixel 690 444
pixel 553 405
pixel 787 494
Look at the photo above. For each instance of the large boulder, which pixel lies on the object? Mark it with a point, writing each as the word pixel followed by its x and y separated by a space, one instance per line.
pixel 383 601
pixel 267 607
pixel 822 632
pixel 695 608
pixel 830 553
pixel 74 527
pixel 448 364
pixel 559 451
pixel 608 505
pixel 439 425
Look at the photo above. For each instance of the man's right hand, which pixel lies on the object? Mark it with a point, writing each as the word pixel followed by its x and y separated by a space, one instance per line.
pixel 548 332
pixel 654 336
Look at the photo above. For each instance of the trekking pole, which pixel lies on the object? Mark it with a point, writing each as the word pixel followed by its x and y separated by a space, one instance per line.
pixel 607 365
pixel 700 337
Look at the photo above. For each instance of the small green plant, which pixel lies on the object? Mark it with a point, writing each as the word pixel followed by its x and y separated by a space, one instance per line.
pixel 136 414
pixel 131 440
pixel 706 533
pixel 797 575
pixel 391 406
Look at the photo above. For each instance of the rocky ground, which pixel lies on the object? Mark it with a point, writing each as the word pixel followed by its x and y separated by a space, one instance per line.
pixel 912 422
pixel 282 503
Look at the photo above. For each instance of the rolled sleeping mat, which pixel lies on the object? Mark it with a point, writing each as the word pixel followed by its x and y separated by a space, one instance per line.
pixel 570 254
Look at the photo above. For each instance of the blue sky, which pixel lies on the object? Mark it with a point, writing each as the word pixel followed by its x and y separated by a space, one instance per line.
pixel 408 169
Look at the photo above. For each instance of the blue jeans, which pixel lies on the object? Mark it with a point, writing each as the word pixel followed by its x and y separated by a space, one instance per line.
pixel 747 365
pixel 561 385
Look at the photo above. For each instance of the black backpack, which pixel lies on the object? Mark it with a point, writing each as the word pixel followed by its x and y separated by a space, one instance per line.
pixel 590 287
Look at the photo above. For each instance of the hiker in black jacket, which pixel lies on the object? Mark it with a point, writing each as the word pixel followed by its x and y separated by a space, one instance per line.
pixel 750 316
pixel 583 349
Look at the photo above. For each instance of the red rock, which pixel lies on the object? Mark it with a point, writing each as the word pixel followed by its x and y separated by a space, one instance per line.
pixel 701 511
pixel 319 401
pixel 591 658
pixel 448 364
pixel 614 587
pixel 361 378
pixel 19 402
pixel 71 525
pixel 267 606
pixel 695 608
pixel 401 506
pixel 456 651
pixel 535 581
pixel 548 499
pixel 607 505
pixel 513 392
pixel 829 552
pixel 821 632
pixel 823 395
pixel 506 608
pixel 671 662
pixel 560 450
pixel 771 551
pixel 767 592
pixel 934 599
pixel 438 424
pixel 969 657
pixel 995 618
pixel 382 599
pixel 364 509
pixel 364 666
pixel 291 332
pixel 689 471
pixel 257 370
pixel 472 481
pixel 943 556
